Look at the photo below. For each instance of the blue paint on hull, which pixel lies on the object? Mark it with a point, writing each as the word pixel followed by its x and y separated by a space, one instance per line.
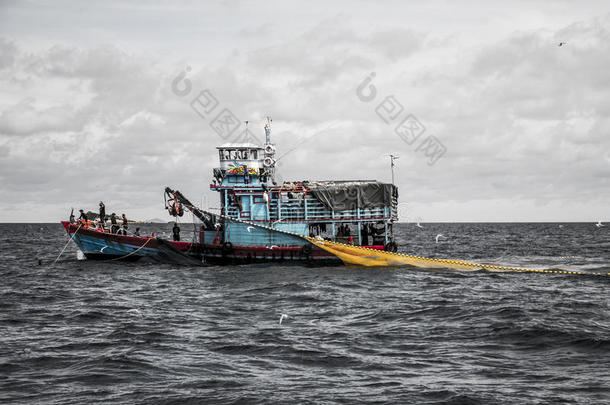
pixel 97 246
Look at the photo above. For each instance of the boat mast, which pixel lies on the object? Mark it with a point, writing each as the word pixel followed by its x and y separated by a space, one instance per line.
pixel 269 148
pixel 268 131
pixel 392 158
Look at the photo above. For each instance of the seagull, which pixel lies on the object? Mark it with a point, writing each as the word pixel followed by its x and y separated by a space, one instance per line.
pixel 282 318
pixel 272 246
pixel 439 236
pixel 599 224
pixel 249 228
pixel 562 43
pixel 418 225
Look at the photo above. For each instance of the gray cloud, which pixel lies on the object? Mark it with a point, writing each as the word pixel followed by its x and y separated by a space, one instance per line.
pixel 525 122
pixel 24 118
pixel 8 50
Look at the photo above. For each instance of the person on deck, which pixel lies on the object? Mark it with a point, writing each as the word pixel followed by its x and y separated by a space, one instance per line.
pixel 113 224
pixel 176 232
pixel 102 214
pixel 137 232
pixel 124 223
pixel 365 235
pixel 72 216
pixel 246 175
pixel 83 216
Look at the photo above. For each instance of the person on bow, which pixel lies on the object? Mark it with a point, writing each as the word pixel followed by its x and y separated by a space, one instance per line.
pixel 113 223
pixel 102 214
pixel 124 222
pixel 83 219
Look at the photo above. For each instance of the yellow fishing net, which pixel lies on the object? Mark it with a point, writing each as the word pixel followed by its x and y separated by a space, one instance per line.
pixel 360 256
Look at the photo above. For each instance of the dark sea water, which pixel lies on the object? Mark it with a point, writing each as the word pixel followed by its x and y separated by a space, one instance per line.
pixel 89 332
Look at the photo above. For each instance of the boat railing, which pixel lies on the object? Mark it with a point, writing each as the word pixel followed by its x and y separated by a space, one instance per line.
pixel 312 210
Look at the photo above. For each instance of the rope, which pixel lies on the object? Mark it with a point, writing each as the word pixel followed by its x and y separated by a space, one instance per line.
pixel 66 245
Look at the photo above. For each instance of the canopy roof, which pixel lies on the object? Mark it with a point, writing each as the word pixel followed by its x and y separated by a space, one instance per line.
pixel 346 195
pixel 239 146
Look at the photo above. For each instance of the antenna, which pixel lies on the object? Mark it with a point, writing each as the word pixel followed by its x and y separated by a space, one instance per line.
pixel 392 159
pixel 247 134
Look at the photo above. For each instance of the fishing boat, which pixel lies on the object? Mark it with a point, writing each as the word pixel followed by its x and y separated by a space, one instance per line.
pixel 260 220
pixel 263 221
pixel 98 243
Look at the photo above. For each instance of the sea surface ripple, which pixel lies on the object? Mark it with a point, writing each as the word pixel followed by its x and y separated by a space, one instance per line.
pixel 90 332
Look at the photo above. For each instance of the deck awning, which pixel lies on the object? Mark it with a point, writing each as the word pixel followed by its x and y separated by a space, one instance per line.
pixel 346 195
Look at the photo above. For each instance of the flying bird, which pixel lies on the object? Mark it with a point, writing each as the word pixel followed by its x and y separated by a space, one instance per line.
pixel 438 237
pixel 282 318
pixel 418 225
pixel 272 246
pixel 562 43
pixel 599 224
pixel 250 228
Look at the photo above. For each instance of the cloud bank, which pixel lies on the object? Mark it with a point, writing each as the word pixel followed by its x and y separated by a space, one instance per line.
pixel 525 123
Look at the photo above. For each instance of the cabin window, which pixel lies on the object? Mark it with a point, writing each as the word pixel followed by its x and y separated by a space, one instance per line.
pixel 245 154
pixel 222 154
pixel 258 199
pixel 254 154
pixel 244 214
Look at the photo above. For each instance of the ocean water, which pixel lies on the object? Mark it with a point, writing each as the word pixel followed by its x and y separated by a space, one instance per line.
pixel 89 332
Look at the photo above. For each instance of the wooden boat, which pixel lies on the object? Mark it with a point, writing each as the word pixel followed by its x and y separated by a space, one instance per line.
pixel 100 244
pixel 262 221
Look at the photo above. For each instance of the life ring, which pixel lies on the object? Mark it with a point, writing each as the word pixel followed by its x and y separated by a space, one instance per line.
pixel 391 247
pixel 227 248
pixel 269 149
pixel 268 162
pixel 306 250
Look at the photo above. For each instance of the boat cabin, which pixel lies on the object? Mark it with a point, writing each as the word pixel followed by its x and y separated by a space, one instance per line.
pixel 360 212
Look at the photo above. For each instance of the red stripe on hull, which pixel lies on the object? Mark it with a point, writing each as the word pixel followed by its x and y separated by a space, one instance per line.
pixel 125 239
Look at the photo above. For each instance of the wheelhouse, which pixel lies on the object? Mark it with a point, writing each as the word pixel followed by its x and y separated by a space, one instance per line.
pixel 359 212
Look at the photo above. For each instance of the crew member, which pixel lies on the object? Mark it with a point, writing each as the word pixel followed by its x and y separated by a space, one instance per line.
pixel 246 175
pixel 176 232
pixel 83 216
pixel 124 223
pixel 102 214
pixel 137 232
pixel 365 235
pixel 113 224
pixel 72 216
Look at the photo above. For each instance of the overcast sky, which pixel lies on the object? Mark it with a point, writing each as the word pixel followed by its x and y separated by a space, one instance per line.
pixel 513 126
